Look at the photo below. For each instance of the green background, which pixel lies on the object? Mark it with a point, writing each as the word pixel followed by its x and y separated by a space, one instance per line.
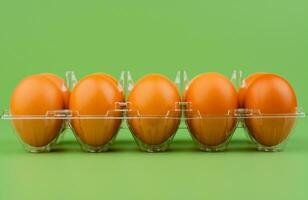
pixel 143 37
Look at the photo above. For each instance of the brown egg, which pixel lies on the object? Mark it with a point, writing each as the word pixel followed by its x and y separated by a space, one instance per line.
pixel 151 99
pixel 62 86
pixel 211 97
pixel 35 96
pixel 244 87
pixel 96 95
pixel 270 95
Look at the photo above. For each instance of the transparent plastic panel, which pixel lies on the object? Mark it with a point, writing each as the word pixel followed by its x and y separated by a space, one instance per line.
pixel 96 133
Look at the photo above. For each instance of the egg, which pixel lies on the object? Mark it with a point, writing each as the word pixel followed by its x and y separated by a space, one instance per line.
pixel 96 95
pixel 210 97
pixel 34 96
pixel 153 105
pixel 60 83
pixel 270 94
pixel 246 83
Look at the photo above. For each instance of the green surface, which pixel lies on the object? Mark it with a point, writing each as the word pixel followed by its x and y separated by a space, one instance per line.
pixel 143 37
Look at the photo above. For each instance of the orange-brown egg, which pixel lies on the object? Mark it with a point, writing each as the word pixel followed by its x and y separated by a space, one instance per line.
pixel 35 96
pixel 270 95
pixel 156 97
pixel 246 83
pixel 96 95
pixel 211 97
pixel 60 84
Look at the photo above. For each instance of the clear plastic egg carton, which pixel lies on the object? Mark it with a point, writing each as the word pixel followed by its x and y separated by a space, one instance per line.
pixel 97 133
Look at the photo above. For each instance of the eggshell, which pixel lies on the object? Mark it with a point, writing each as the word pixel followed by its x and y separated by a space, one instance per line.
pixel 246 83
pixel 270 94
pixel 62 86
pixel 211 96
pixel 96 95
pixel 36 95
pixel 154 96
